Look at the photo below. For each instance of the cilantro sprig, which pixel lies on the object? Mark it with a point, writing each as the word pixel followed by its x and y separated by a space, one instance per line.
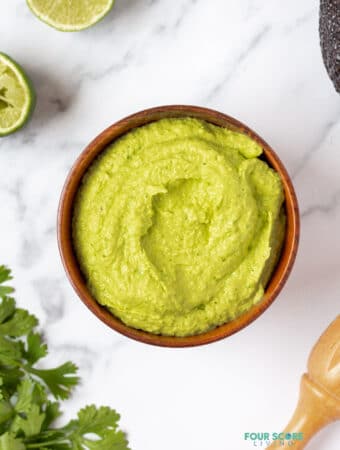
pixel 29 395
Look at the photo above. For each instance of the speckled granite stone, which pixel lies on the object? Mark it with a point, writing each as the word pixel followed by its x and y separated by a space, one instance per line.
pixel 330 38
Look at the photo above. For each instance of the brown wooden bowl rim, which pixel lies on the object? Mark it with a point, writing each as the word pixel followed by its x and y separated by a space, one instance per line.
pixel 65 211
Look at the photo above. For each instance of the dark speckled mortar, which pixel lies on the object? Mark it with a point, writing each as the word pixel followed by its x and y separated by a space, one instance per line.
pixel 330 38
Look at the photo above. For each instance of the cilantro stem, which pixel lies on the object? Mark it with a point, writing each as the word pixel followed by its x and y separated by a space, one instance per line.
pixel 39 444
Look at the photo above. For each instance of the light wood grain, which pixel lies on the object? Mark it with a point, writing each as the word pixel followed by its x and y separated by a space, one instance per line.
pixel 319 402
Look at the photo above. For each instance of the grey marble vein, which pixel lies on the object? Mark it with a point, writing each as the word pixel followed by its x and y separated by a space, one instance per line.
pixel 323 208
pixel 234 67
pixel 184 11
pixel 325 132
pixel 15 191
pixel 51 298
pixel 83 355
pixel 302 20
pixel 30 251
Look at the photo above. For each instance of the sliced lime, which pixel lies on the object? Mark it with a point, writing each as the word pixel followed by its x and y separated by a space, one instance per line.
pixel 17 98
pixel 70 15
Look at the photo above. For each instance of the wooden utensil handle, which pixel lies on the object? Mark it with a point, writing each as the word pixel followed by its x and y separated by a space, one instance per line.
pixel 316 409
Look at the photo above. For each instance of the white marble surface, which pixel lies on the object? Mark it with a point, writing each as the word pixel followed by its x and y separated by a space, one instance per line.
pixel 257 60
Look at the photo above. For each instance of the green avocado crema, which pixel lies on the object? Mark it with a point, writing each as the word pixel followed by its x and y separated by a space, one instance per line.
pixel 178 226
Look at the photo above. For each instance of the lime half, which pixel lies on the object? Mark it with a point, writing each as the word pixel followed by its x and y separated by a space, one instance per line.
pixel 70 15
pixel 17 98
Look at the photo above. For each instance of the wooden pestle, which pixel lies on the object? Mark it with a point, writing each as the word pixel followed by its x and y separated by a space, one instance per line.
pixel 319 402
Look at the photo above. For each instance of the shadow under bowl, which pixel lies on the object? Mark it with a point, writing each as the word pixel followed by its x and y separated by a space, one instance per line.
pixel 65 213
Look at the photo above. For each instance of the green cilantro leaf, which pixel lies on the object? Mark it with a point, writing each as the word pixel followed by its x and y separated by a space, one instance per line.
pixel 24 394
pixel 113 440
pixel 20 324
pixel 5 275
pixel 52 412
pixel 7 308
pixel 9 442
pixel 27 413
pixel 5 290
pixel 60 381
pixel 93 420
pixel 36 349
pixel 6 411
pixel 10 352
pixel 30 423
pixel 11 378
pixel 96 428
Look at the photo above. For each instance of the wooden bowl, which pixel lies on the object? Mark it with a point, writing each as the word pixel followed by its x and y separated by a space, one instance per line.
pixel 65 213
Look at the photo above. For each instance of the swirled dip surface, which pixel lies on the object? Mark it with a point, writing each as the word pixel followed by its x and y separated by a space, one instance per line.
pixel 178 226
